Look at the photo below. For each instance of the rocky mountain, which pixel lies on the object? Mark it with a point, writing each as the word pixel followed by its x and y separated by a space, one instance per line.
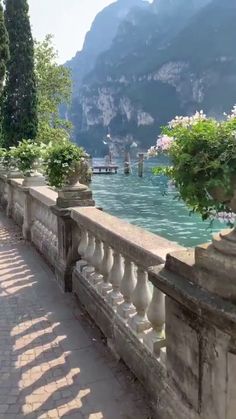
pixel 99 38
pixel 170 57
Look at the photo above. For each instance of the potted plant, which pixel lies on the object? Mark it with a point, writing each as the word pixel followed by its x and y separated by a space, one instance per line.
pixel 9 163
pixel 27 156
pixel 202 154
pixel 2 157
pixel 66 165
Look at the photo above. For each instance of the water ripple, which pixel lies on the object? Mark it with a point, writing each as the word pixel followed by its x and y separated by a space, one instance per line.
pixel 142 202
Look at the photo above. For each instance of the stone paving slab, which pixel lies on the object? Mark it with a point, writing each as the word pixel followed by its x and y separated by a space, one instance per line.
pixel 53 363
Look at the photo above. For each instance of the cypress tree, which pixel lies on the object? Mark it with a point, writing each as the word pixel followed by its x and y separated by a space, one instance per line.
pixel 20 97
pixel 4 48
pixel 4 56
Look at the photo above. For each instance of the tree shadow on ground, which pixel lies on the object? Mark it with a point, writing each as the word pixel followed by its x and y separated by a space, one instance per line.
pixel 52 364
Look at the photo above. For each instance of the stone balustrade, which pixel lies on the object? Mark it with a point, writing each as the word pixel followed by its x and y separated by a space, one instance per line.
pixel 31 209
pixel 115 257
pixel 43 228
pixel 169 313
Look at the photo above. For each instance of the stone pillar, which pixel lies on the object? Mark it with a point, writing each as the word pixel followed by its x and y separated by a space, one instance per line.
pixel 201 331
pixel 31 181
pixel 196 361
pixel 75 196
pixel 216 265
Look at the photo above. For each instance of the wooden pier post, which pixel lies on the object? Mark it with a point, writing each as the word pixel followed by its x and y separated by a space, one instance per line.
pixel 127 164
pixel 140 164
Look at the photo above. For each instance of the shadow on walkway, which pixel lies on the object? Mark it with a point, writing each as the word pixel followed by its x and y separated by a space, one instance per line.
pixel 53 363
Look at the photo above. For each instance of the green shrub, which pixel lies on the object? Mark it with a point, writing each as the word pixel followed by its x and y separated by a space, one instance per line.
pixel 203 156
pixel 26 156
pixel 62 162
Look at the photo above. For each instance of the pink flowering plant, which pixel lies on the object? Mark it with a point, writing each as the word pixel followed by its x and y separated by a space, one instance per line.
pixel 202 153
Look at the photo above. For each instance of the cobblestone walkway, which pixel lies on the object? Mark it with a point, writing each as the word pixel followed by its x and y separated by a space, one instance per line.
pixel 53 363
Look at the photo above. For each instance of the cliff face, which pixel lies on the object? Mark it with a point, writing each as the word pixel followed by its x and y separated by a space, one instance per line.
pixel 169 58
pixel 99 38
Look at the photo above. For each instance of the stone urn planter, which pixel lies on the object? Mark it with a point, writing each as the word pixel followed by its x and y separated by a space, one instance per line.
pixel 26 157
pixel 216 262
pixel 3 170
pixel 76 192
pixel 12 173
pixel 220 195
pixel 67 171
pixel 34 177
pixel 226 240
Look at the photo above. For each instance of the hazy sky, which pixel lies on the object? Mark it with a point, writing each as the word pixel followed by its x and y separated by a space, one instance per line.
pixel 67 20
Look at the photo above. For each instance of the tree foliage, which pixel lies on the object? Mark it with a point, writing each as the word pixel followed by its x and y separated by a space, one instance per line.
pixel 54 89
pixel 20 97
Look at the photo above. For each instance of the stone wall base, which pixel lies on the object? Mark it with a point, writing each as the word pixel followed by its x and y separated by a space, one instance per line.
pixel 44 246
pixel 127 346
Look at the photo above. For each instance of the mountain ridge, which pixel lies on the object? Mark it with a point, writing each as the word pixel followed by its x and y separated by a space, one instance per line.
pixel 158 66
pixel 99 38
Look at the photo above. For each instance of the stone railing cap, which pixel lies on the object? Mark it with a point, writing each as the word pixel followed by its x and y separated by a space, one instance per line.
pixel 142 247
pixel 195 298
pixel 15 182
pixel 44 194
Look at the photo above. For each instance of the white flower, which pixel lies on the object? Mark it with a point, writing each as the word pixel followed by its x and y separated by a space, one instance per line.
pixel 152 152
pixel 187 121
pixel 163 144
pixel 225 217
pixel 232 115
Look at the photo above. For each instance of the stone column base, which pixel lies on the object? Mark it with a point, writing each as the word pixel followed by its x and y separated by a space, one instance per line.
pixel 75 196
pixel 215 265
pixel 34 180
pixel 63 275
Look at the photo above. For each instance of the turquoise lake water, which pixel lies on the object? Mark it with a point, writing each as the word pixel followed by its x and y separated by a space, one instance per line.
pixel 149 203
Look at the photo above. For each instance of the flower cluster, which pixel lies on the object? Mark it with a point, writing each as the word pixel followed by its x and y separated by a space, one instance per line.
pixel 187 121
pixel 232 115
pixel 202 154
pixel 163 144
pixel 225 217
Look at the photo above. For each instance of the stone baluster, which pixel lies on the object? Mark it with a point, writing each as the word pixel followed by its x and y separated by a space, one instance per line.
pixel 105 269
pixel 83 245
pixel 89 269
pixel 52 237
pixel 97 258
pixel 115 278
pixel 45 232
pixel 128 284
pixel 141 300
pixel 155 339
